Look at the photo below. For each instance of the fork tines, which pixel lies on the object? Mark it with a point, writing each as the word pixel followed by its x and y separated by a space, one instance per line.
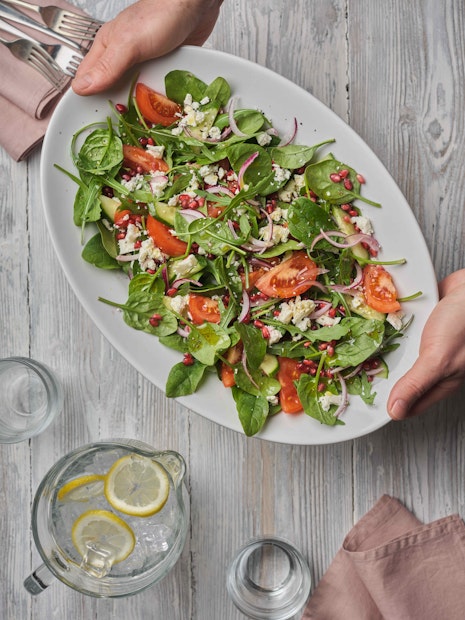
pixel 79 26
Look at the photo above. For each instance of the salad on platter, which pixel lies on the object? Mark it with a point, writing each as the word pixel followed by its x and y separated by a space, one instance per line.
pixel 246 252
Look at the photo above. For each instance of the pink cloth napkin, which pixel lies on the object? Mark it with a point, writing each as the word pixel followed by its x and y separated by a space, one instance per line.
pixel 392 567
pixel 27 99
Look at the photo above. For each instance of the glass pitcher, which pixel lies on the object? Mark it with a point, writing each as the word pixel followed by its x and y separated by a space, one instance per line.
pixel 110 519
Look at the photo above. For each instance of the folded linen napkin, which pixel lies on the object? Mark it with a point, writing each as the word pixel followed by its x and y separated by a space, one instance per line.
pixel 27 99
pixel 392 567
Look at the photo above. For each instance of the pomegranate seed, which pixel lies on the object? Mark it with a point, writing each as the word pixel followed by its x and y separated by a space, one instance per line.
pixel 348 184
pixel 121 235
pixel 126 176
pixel 150 141
pixel 143 141
pixel 335 178
pixel 346 207
pixel 107 191
pixel 201 201
pixel 360 179
pixel 121 108
pixel 330 350
pixel 171 292
pixel 193 204
pixel 322 346
pixel 155 320
pixel 265 332
pixel 346 218
pixel 307 344
pixel 344 173
pixel 139 170
pixel 150 271
pixel 258 323
pixel 353 213
pixel 332 312
pixel 188 359
pixel 321 387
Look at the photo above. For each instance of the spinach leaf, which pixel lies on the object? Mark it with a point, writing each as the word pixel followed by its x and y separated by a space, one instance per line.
pixel 252 410
pixel 307 391
pixel 95 253
pixel 183 380
pixel 206 341
pixel 364 340
pixel 218 91
pixel 306 219
pixel 254 344
pixel 318 179
pixel 293 156
pixel 260 385
pixel 102 151
pixel 179 83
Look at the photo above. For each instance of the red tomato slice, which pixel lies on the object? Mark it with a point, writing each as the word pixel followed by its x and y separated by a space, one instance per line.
pixel 155 107
pixel 214 209
pixel 120 215
pixel 378 287
pixel 233 355
pixel 203 309
pixel 292 277
pixel 254 276
pixel 135 156
pixel 163 239
pixel 288 372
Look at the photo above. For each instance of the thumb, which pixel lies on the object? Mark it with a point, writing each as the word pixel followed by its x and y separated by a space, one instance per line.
pixel 409 390
pixel 106 66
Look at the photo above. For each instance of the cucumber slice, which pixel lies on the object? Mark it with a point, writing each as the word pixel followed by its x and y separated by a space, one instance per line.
pixel 110 206
pixel 269 365
pixel 347 227
pixel 360 307
pixel 165 213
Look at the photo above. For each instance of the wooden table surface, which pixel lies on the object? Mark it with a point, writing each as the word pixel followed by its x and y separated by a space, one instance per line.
pixel 395 72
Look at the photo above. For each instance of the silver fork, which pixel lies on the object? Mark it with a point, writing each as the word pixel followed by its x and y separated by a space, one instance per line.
pixel 64 58
pixel 33 55
pixel 64 22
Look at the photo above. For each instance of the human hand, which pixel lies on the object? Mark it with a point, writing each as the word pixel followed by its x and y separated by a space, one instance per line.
pixel 144 30
pixel 440 367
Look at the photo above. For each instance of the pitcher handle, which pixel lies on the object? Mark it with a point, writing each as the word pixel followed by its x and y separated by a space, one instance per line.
pixel 39 580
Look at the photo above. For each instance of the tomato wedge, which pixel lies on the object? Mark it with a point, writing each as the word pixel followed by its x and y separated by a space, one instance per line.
pixel 233 355
pixel 163 239
pixel 120 215
pixel 254 276
pixel 288 372
pixel 155 107
pixel 379 289
pixel 203 309
pixel 135 156
pixel 292 277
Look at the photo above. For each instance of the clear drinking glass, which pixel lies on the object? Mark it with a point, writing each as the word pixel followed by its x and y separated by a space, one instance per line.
pixel 269 579
pixel 75 488
pixel 30 397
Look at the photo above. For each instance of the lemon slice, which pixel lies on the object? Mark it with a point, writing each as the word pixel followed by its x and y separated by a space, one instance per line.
pixel 136 485
pixel 101 530
pixel 81 489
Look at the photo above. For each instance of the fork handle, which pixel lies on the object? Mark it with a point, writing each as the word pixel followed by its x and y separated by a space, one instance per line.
pixel 11 14
pixel 24 5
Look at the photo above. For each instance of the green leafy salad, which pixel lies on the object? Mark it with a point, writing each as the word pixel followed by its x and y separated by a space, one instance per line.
pixel 245 252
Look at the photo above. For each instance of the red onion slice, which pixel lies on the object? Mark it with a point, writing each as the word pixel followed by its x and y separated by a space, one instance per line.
pixel 232 122
pixel 290 136
pixel 245 307
pixel 243 168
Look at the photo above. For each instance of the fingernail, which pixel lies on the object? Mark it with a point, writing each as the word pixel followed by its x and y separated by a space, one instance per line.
pixel 83 81
pixel 399 410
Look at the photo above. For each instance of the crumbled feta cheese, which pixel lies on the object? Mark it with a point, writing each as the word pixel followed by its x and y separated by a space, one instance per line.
pixel 205 100
pixel 185 266
pixel 328 321
pixel 263 139
pixel 278 214
pixel 157 151
pixel 395 319
pixel 126 245
pixel 188 99
pixel 280 174
pixel 214 133
pixel 179 303
pixel 289 192
pixel 149 255
pixel 363 224
pixel 273 400
pixel 135 182
pixel 295 310
pixel 329 399
pixel 275 335
pixel 280 234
